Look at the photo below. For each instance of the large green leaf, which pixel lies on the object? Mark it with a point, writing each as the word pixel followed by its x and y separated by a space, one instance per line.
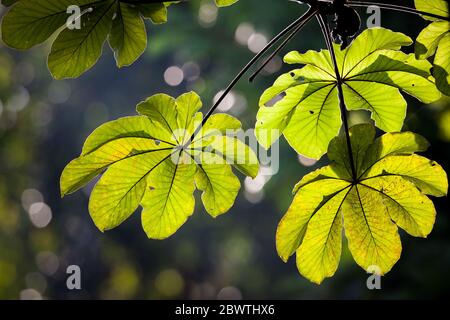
pixel 128 36
pixel 390 191
pixel 150 160
pixel 434 40
pixel 74 51
pixel 373 73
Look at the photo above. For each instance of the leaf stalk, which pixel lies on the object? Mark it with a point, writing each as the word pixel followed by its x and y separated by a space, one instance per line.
pixel 339 82
pixel 255 59
pixel 396 8
pixel 310 14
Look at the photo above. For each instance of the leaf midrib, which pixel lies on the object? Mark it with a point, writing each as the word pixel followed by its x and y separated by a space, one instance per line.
pixel 143 177
pixel 169 191
pixel 396 202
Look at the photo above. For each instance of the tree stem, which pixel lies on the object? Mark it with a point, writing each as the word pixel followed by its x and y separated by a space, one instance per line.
pixel 326 32
pixel 310 14
pixel 396 8
pixel 241 73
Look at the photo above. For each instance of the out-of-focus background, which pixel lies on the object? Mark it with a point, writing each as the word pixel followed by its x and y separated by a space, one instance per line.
pixel 44 122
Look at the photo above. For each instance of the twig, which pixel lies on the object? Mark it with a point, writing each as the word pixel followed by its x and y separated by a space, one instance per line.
pixel 283 44
pixel 241 73
pixel 396 8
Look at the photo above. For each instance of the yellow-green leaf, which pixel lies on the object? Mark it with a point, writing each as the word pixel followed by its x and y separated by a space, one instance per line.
pixel 434 40
pixel 225 3
pixel 128 37
pixel 373 74
pixel 220 187
pixel 390 191
pixel 120 190
pixel 319 254
pixel 437 7
pixel 411 210
pixel 169 198
pixel 427 175
pixel 149 160
pixel 76 50
pixel 308 201
pixel 373 238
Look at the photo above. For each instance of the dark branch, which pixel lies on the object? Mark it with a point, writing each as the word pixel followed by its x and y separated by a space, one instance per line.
pixel 396 8
pixel 255 59
pixel 310 14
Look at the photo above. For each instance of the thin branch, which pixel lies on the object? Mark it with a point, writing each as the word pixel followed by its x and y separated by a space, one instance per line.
pixel 255 59
pixel 300 26
pixel 396 8
pixel 327 34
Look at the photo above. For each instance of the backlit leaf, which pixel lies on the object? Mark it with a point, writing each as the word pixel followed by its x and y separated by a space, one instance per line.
pixel 150 160
pixel 225 3
pixel 434 40
pixel 128 36
pixel 390 191
pixel 373 72
pixel 74 51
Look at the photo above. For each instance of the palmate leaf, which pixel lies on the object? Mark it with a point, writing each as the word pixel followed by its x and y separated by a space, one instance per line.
pixel 390 192
pixel 149 160
pixel 373 72
pixel 31 22
pixel 434 40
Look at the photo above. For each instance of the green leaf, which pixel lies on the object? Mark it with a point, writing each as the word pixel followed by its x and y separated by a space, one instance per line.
pixel 436 7
pixel 434 40
pixel 390 191
pixel 120 190
pixel 31 22
pixel 373 72
pixel 220 187
pixel 149 160
pixel 128 36
pixel 292 228
pixel 74 51
pixel 373 238
pixel 81 170
pixel 225 3
pixel 234 151
pixel 169 198
pixel 442 65
pixel 156 12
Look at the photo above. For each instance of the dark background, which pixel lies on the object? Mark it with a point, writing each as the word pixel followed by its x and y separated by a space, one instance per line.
pixel 44 122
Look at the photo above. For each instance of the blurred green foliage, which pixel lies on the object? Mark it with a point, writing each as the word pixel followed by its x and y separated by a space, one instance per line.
pixel 44 122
